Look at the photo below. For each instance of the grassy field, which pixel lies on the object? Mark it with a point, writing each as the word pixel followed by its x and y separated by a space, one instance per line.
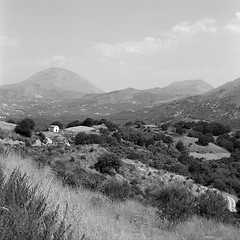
pixel 209 152
pixel 95 216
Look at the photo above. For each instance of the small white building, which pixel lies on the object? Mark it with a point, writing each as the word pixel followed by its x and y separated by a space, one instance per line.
pixel 53 128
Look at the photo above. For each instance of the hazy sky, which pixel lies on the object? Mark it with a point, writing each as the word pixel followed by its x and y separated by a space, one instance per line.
pixel 117 44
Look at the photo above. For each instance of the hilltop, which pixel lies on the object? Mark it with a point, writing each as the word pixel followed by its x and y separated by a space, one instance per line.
pixel 51 83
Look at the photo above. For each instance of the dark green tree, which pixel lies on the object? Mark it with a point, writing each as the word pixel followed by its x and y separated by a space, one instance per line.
pixel 57 123
pixel 25 127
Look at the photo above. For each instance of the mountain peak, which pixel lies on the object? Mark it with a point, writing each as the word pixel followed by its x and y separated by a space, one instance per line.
pixel 198 86
pixel 61 79
pixel 52 83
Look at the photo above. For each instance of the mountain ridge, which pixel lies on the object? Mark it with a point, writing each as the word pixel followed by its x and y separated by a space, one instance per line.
pixel 221 104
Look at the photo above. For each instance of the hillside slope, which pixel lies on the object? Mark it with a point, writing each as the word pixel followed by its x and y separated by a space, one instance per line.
pixel 221 104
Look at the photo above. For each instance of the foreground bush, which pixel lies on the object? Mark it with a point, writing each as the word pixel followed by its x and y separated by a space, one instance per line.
pixel 24 214
pixel 177 204
pixel 213 206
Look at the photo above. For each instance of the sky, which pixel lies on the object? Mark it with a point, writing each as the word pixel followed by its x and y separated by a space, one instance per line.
pixel 117 44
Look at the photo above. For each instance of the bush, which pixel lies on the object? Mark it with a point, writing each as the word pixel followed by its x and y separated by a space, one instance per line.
pixel 203 140
pixel 74 123
pixel 213 206
pixel 23 212
pixel 118 191
pixel 167 139
pixel 174 203
pixel 225 142
pixel 83 138
pixel 180 130
pixel 25 127
pixel 108 163
pixel 89 122
pixel 164 127
pixel 117 136
pixel 195 134
pixel 236 155
pixel 180 146
pixel 134 155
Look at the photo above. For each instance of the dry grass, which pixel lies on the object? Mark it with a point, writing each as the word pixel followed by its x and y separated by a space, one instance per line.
pixel 193 147
pixel 210 156
pixel 97 217
pixel 7 126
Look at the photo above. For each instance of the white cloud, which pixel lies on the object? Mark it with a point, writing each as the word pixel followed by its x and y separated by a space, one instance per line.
pixel 56 60
pixel 206 25
pixel 234 24
pixel 147 45
pixel 168 40
pixel 9 42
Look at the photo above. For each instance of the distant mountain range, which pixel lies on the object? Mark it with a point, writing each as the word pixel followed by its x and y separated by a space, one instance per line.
pixel 58 92
pixel 221 104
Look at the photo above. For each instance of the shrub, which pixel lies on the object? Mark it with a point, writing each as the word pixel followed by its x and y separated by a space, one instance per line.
pixel 225 142
pixel 236 155
pixel 194 134
pixel 164 127
pixel 74 123
pixel 203 141
pixel 174 203
pixel 83 138
pixel 23 212
pixel 117 136
pixel 134 155
pixel 115 190
pixel 180 146
pixel 107 163
pixel 180 130
pixel 88 180
pixel 167 139
pixel 3 134
pixel 42 136
pixel 89 122
pixel 213 206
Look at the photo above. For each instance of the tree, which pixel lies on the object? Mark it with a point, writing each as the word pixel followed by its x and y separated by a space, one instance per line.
pixel 167 139
pixel 57 123
pixel 203 140
pixel 164 127
pixel 88 122
pixel 74 123
pixel 180 130
pixel 25 127
pixel 180 146
pixel 108 162
pixel 117 136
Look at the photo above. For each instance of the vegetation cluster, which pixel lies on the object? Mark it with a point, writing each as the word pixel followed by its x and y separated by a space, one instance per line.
pixel 156 149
